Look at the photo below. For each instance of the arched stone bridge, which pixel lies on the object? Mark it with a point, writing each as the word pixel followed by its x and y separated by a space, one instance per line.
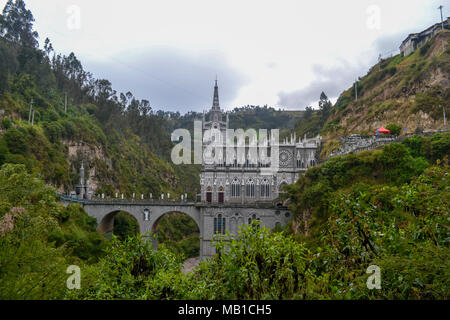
pixel 210 219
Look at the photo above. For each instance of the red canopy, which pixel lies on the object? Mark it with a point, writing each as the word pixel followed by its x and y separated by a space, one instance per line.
pixel 383 130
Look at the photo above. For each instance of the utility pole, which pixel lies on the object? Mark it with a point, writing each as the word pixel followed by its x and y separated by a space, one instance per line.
pixel 31 110
pixel 445 120
pixel 356 89
pixel 442 19
pixel 32 119
pixel 442 27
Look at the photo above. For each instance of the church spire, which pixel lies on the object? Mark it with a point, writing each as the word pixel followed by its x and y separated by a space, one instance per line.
pixel 216 105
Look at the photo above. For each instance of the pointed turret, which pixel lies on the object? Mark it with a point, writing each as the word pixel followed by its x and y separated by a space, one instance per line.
pixel 216 105
pixel 82 174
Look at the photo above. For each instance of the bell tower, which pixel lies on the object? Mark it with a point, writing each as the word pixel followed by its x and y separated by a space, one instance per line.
pixel 214 118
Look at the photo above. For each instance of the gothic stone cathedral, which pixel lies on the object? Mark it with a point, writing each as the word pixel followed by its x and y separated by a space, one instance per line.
pixel 233 193
pixel 245 184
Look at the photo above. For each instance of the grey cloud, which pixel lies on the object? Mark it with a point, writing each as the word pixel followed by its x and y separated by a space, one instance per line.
pixel 332 81
pixel 390 44
pixel 172 80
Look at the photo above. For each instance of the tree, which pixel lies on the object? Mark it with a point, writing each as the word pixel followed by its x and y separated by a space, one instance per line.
pixel 325 106
pixel 17 24
pixel 308 113
pixel 395 129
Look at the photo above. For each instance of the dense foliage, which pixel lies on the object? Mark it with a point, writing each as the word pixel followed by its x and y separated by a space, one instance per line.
pixel 398 222
pixel 39 239
pixel 386 207
pixel 119 138
pixel 180 234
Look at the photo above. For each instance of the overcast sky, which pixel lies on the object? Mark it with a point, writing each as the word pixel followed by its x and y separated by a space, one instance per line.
pixel 281 53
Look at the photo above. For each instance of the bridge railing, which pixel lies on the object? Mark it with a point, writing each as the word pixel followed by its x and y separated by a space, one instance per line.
pixel 120 200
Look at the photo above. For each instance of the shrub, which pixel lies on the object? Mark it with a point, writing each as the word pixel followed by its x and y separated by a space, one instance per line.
pixel 394 128
pixel 6 123
pixel 256 264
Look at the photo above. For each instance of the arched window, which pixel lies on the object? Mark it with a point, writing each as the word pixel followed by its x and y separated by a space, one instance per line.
pixel 219 225
pixel 209 195
pixel 254 221
pixel 250 189
pixel 265 189
pixel 221 195
pixel 235 188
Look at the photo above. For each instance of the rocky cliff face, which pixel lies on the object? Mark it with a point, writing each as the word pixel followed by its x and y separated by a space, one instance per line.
pixel 78 151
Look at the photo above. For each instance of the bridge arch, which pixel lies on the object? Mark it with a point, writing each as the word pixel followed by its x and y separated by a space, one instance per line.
pixel 148 215
pixel 157 219
pixel 108 222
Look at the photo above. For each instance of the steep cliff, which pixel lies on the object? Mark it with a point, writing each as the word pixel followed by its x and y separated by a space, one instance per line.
pixel 409 91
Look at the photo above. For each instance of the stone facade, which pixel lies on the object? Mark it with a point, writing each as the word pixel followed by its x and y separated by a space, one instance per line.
pixel 246 183
pixel 357 143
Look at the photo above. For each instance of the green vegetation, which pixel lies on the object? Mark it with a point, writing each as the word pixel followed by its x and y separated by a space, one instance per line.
pixel 394 128
pixel 39 239
pixel 394 89
pixel 125 225
pixel 131 269
pixel 180 234
pixel 120 137
pixel 313 121
pixel 386 207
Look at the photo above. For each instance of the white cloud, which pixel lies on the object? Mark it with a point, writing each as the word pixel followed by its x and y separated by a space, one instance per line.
pixel 272 44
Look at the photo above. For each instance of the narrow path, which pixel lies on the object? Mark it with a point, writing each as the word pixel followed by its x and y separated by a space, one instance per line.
pixel 190 264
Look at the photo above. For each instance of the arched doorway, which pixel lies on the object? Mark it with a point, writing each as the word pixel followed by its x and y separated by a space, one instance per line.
pixel 120 223
pixel 179 233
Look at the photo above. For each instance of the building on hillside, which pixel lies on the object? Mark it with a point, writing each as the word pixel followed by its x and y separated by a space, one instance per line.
pixel 416 40
pixel 245 181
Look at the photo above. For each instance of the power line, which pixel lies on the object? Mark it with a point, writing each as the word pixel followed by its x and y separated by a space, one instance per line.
pixel 94 37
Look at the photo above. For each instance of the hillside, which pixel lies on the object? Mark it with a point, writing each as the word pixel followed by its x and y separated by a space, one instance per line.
pixel 409 91
pixel 406 92
pixel 123 144
pixel 385 208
